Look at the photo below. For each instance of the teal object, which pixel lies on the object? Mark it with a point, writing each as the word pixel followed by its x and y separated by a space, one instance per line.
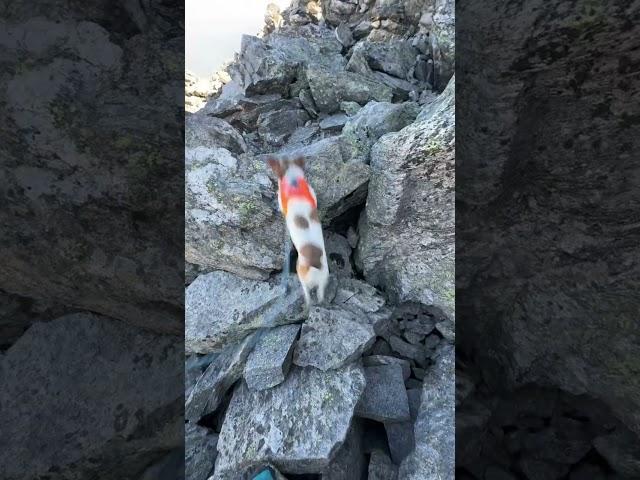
pixel 264 475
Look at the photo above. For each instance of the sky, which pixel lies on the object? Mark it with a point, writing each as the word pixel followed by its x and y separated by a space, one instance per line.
pixel 214 29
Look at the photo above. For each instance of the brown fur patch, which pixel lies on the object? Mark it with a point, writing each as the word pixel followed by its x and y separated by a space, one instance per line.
pixel 300 221
pixel 276 166
pixel 299 162
pixel 303 270
pixel 314 215
pixel 312 255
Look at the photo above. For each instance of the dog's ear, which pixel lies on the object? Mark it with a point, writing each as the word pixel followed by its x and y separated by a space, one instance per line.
pixel 276 166
pixel 299 162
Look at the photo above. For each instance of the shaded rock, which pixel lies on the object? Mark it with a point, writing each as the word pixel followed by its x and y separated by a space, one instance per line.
pixel 384 398
pixel 310 46
pixel 275 127
pixel 211 132
pixel 401 90
pixel 329 89
pixel 358 297
pixel 219 376
pixel 400 435
pixel 302 136
pixel 434 429
pixel 443 41
pixel 496 473
pixel 231 221
pixel 92 371
pixel 534 469
pixel 586 471
pixel 251 108
pixel 297 425
pixel 377 360
pixel 422 325
pixel 349 461
pixel 264 69
pixel 270 360
pixel 227 102
pixel 621 449
pixel 238 305
pixel 566 445
pixel 331 338
pixel 412 337
pixel 306 99
pixel 415 352
pixel 381 467
pixel 343 34
pixel 200 451
pixel 338 254
pixel 381 347
pixel 395 57
pixel 350 108
pixel 170 466
pixel 412 191
pixel 334 123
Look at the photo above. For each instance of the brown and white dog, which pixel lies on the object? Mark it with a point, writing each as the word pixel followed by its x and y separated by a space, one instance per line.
pixel 299 205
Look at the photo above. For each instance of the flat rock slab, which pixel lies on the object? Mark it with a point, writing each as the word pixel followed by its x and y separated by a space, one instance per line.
pixel 415 352
pixel 222 309
pixel 200 451
pixel 385 398
pixel 223 372
pixel 376 360
pixel 85 386
pixel 400 436
pixel 331 338
pixel 296 426
pixel 270 360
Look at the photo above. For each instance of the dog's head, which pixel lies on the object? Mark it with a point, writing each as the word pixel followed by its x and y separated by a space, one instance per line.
pixel 285 167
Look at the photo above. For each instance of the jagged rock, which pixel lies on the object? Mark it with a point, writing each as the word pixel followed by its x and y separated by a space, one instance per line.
pixel 384 398
pixel 433 456
pixel 264 69
pixel 250 109
pixel 350 108
pixel 534 469
pixel 296 425
pixel 349 461
pixel 443 43
pixel 219 376
pixel 200 451
pixel 334 123
pixel 231 221
pixel 343 34
pixel 92 371
pixel 310 46
pixel 621 449
pixel 359 296
pixel 371 122
pixel 306 99
pixel 270 360
pixel 238 305
pixel 338 183
pixel 381 467
pixel 227 102
pixel 415 352
pixel 331 88
pixel 331 338
pixel 337 11
pixel 411 196
pixel 338 254
pixel 272 19
pixel 203 131
pixel 377 360
pixel 395 57
pixel 276 126
pixel 400 435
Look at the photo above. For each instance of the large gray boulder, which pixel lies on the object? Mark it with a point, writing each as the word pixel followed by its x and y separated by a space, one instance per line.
pixel 231 221
pixel 264 69
pixel 407 231
pixel 330 88
pixel 297 425
pixel 211 132
pixel 86 387
pixel 222 309
pixel 433 457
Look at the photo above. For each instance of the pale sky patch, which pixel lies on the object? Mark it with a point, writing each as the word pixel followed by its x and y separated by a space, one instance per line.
pixel 214 29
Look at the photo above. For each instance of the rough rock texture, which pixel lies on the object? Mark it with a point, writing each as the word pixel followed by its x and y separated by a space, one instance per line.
pixel 83 159
pixel 270 360
pixel 433 457
pixel 412 189
pixel 331 338
pixel 349 461
pixel 84 362
pixel 381 467
pixel 558 302
pixel 299 423
pixel 222 308
pixel 200 452
pixel 384 398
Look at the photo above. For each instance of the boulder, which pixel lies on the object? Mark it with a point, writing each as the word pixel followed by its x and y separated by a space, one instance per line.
pixel 219 376
pixel 407 231
pixel 211 132
pixel 84 387
pixel 275 127
pixel 231 220
pixel 297 425
pixel 264 69
pixel 331 338
pixel 270 360
pixel 330 88
pixel 395 57
pixel 338 254
pixel 222 309
pixel 200 451
pixel 400 435
pixel 349 461
pixel 433 457
pixel 384 398
pixel 381 467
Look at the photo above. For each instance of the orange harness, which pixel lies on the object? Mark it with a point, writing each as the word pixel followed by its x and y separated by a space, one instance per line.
pixel 289 192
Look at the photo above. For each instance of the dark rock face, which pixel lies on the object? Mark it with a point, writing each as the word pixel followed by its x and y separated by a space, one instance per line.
pixel 81 216
pixel 555 294
pixel 94 375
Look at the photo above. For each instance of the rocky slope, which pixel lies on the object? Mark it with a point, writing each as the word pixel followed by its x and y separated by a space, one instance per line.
pixel 365 92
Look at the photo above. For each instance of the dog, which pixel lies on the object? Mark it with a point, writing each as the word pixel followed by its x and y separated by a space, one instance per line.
pixel 299 206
